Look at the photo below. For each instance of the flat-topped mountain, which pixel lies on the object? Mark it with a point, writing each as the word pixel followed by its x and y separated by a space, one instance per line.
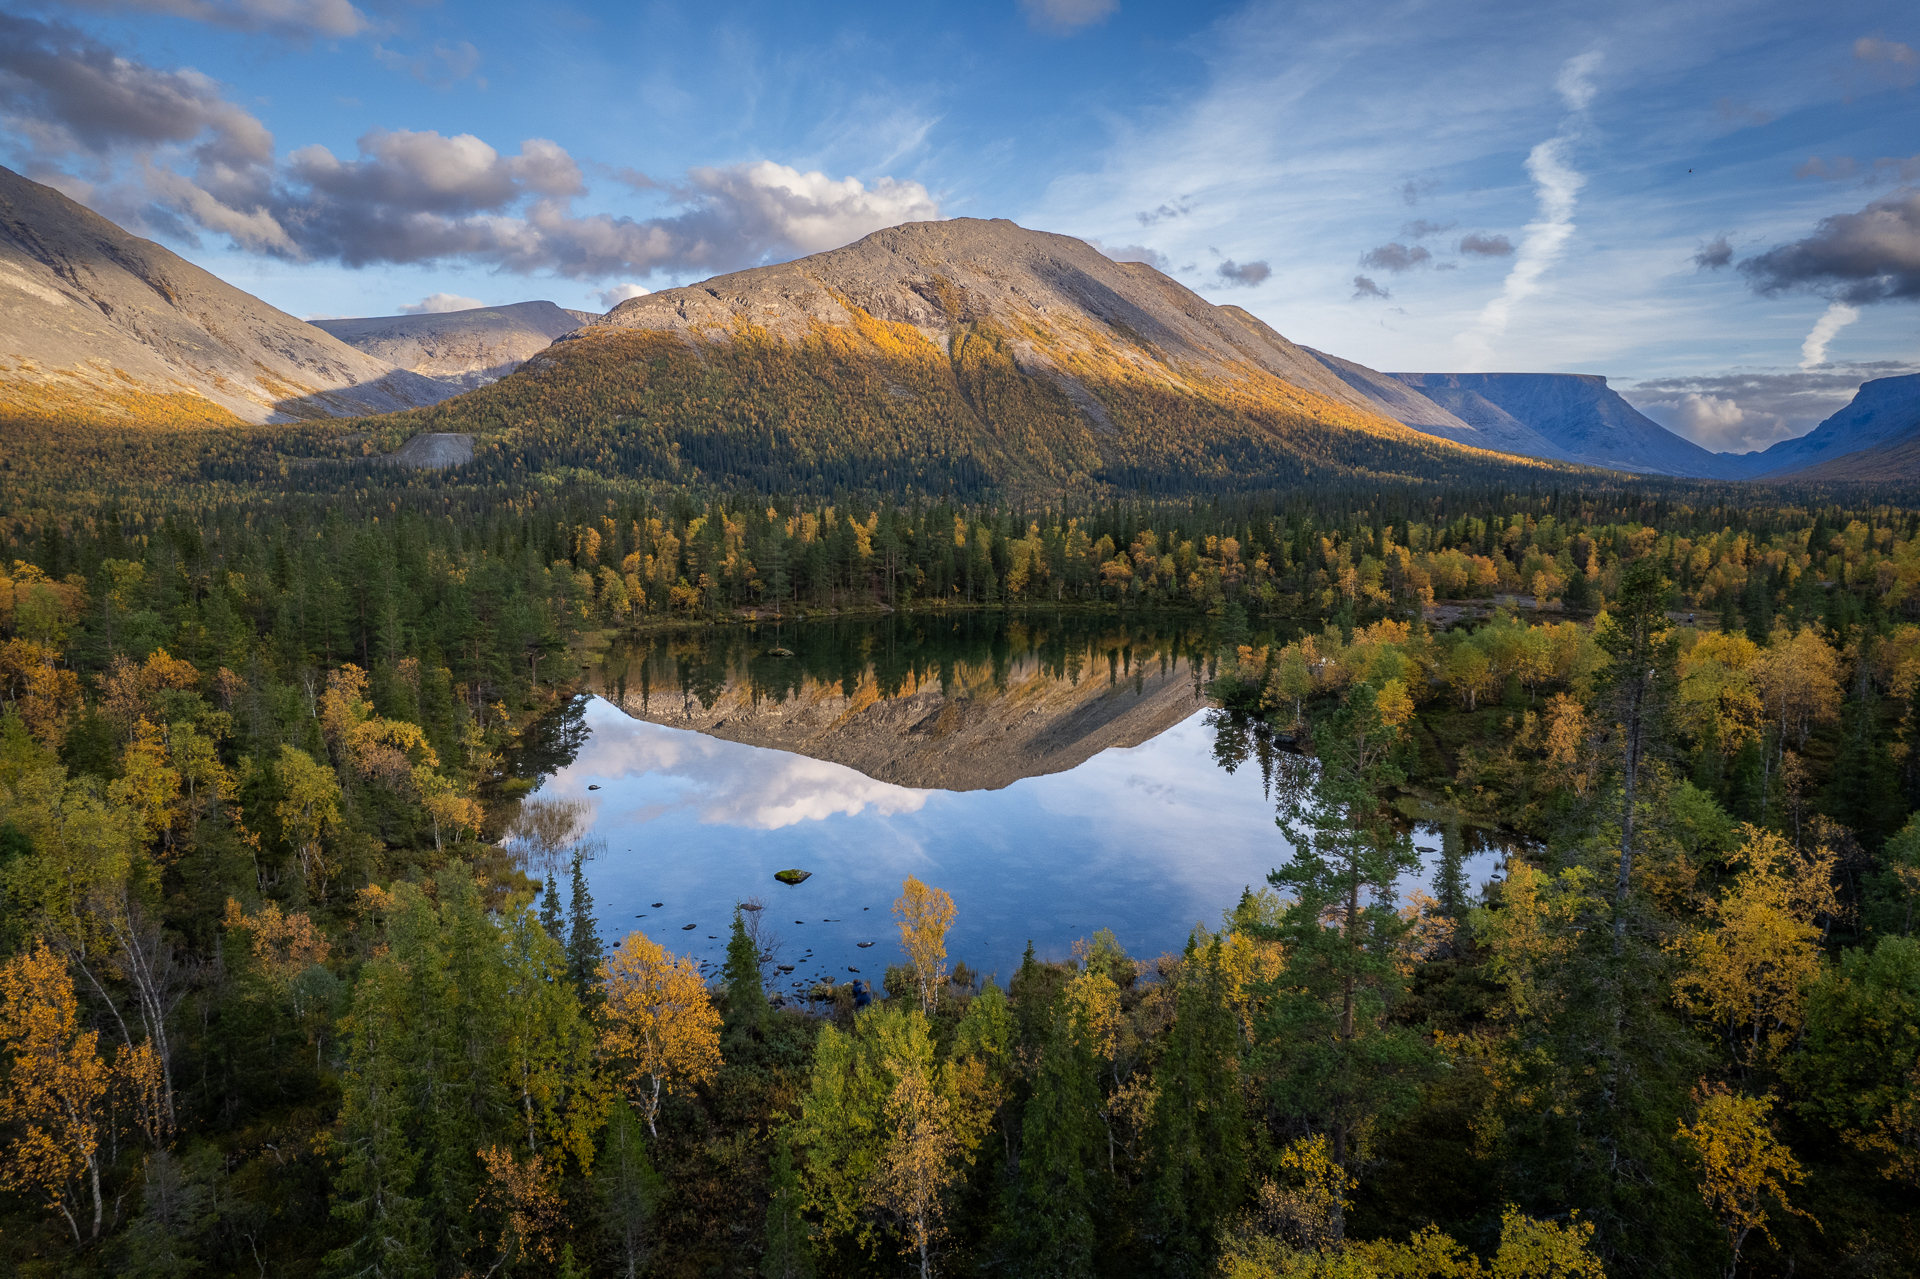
pixel 1580 418
pixel 462 348
pixel 100 325
pixel 1480 424
pixel 965 354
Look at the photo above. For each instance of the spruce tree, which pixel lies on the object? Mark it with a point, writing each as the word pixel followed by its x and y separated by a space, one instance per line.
pixel 1051 1226
pixel 746 997
pixel 584 952
pixel 550 911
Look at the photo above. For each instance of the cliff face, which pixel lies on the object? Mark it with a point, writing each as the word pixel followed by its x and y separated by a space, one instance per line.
pixel 978 729
pixel 464 349
pixel 99 325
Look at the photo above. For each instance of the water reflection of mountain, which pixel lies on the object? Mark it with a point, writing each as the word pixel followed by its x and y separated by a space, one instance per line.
pixel 967 702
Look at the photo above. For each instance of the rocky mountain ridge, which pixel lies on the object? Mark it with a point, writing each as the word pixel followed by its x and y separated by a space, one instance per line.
pixel 100 325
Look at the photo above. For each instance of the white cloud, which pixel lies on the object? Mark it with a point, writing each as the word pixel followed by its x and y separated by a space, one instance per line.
pixel 1065 16
pixel 811 211
pixel 1838 316
pixel 1556 186
pixel 610 298
pixel 724 783
pixel 440 304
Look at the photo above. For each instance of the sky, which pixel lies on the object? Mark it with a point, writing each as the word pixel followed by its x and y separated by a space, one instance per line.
pixel 1714 203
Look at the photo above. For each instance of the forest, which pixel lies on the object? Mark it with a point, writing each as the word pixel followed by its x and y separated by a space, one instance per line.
pixel 292 987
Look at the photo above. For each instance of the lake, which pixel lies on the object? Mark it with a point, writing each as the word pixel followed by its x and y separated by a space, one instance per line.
pixel 1057 775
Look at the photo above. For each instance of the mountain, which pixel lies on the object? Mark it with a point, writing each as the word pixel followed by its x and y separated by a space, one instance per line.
pixel 965 354
pixel 1580 417
pixel 1490 427
pixel 1883 412
pixel 462 348
pixel 97 325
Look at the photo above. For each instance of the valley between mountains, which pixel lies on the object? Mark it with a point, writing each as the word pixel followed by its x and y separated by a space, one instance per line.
pixel 969 356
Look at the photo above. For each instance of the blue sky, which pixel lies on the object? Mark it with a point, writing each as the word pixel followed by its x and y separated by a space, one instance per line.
pixel 1714 203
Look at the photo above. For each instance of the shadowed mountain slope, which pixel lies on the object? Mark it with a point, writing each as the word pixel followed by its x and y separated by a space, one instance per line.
pixel 970 354
pixel 100 326
pixel 1490 427
pixel 1874 431
pixel 462 348
pixel 1579 416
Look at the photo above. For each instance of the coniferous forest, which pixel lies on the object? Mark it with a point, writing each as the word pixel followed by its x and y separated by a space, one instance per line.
pixel 294 982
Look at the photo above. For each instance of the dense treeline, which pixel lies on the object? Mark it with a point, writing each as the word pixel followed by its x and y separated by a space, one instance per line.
pixel 284 989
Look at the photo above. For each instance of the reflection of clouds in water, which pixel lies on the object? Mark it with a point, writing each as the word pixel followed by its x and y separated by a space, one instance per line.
pixel 1146 840
pixel 726 783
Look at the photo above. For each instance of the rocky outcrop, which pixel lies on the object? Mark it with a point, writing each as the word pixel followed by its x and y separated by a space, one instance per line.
pixel 464 349
pixel 100 325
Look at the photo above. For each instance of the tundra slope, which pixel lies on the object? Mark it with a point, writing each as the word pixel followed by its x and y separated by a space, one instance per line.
pixel 965 355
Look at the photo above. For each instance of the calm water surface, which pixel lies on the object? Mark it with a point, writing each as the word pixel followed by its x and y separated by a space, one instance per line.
pixel 1147 841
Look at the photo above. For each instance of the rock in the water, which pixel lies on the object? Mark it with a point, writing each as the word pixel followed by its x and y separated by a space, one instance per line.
pixel 593 788
pixel 793 877
pixel 687 928
pixel 865 944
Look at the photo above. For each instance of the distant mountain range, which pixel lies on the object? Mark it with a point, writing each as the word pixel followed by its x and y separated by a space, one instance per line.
pixel 98 325
pixel 1876 436
pixel 463 348
pixel 963 355
pixel 929 354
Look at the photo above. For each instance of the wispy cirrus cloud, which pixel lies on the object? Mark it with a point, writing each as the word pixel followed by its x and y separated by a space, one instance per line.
pixel 1557 187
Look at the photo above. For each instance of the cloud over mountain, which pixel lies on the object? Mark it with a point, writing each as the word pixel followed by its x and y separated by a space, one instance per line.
pixel 1852 258
pixel 165 152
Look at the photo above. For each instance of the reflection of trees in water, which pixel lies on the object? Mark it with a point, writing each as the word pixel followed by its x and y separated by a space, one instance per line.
pixel 551 742
pixel 544 834
pixel 900 653
pixel 1286 774
pixel 1284 770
